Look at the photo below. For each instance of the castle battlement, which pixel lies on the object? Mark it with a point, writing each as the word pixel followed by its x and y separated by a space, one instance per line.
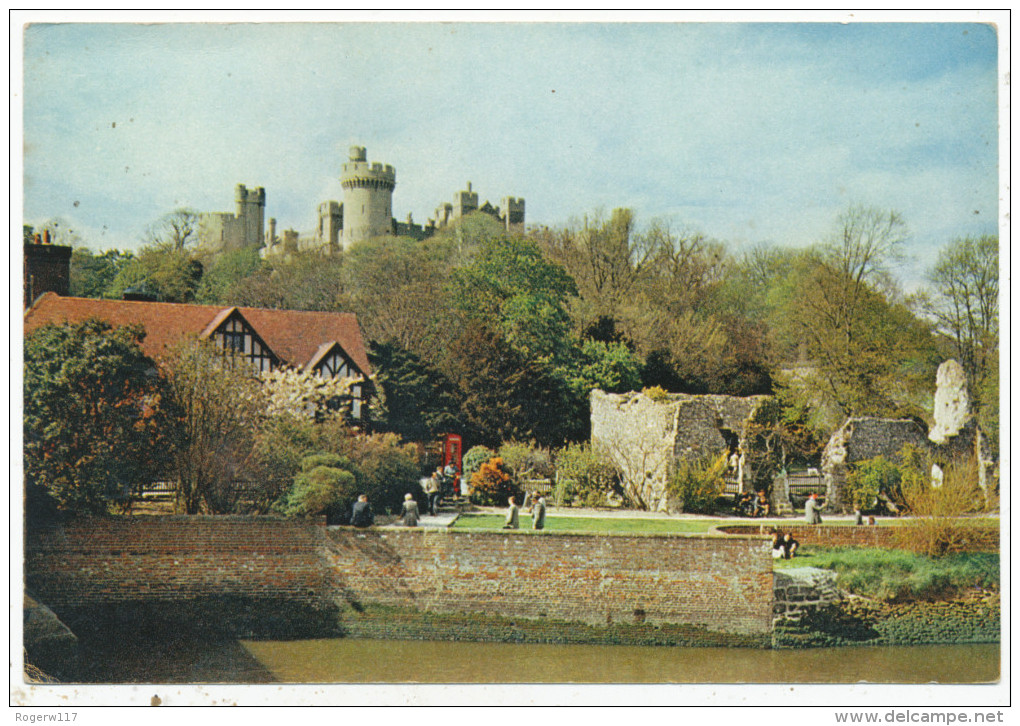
pixel 250 196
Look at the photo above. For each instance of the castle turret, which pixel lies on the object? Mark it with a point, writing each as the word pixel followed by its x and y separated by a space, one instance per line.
pixel 251 216
pixel 331 223
pixel 512 213
pixel 368 197
pixel 465 202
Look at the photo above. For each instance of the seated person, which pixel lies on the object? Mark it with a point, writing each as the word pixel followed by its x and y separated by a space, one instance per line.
pixel 761 505
pixel 778 550
pixel 789 546
pixel 745 505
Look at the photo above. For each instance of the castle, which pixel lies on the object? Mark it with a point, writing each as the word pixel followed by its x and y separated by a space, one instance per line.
pixel 366 212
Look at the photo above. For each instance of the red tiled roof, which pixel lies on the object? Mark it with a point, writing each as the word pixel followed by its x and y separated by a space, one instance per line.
pixel 294 335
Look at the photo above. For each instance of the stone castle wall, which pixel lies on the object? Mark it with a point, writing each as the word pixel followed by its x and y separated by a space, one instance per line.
pixel 249 576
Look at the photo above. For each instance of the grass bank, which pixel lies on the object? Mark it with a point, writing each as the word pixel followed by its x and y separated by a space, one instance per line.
pixel 897 576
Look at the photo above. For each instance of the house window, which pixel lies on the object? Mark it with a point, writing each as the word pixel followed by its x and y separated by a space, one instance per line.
pixel 237 337
pixel 335 366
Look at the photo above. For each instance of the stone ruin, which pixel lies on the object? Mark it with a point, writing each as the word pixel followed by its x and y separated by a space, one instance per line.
pixel 644 436
pixel 955 436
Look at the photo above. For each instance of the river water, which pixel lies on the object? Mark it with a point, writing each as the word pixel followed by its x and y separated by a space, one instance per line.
pixel 387 661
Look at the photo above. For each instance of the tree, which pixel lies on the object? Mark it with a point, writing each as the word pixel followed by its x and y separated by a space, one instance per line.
pixel 396 287
pixel 91 274
pixel 777 436
pixel 506 397
pixel 964 303
pixel 511 288
pixel 218 406
pixel 418 402
pixel 606 259
pixel 227 275
pixel 174 275
pixel 305 281
pixel 872 364
pixel 175 231
pixel 93 413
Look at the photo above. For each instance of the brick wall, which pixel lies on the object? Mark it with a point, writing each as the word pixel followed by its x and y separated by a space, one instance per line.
pixel 237 573
pixel 233 574
pixel 714 582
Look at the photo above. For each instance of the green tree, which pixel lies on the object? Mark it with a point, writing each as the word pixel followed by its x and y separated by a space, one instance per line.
pixel 417 401
pixel 218 407
pixel 514 290
pixel 304 281
pixel 506 397
pixel 92 417
pixel 91 274
pixel 396 287
pixel 227 275
pixel 174 275
pixel 610 367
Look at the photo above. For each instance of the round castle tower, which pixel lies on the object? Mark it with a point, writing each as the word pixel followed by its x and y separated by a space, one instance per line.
pixel 368 197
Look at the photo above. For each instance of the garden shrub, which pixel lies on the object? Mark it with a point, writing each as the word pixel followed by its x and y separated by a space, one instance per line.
pixel 695 484
pixel 938 524
pixel 871 478
pixel 319 488
pixel 493 484
pixel 526 461
pixel 474 458
pixel 585 474
pixel 387 468
pixel 657 393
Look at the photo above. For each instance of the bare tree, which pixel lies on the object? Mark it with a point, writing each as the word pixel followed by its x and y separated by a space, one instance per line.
pixel 218 404
pixel 964 303
pixel 175 231
pixel 867 238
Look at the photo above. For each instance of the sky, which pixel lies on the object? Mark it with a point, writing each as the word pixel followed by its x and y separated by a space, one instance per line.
pixel 747 132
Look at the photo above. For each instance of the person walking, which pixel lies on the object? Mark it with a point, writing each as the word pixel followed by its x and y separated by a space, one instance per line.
pixel 512 515
pixel 811 510
pixel 432 489
pixel 409 512
pixel 538 511
pixel 361 515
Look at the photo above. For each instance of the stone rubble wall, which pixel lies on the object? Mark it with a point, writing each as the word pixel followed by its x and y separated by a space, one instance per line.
pixel 645 436
pixel 859 439
pixel 798 591
pixel 955 437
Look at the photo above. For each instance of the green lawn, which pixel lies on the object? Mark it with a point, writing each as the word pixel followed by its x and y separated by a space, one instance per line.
pixel 492 522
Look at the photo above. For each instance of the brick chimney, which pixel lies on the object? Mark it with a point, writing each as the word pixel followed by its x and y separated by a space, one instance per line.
pixel 47 268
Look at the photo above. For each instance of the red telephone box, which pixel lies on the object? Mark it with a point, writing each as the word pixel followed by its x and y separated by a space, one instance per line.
pixel 452 451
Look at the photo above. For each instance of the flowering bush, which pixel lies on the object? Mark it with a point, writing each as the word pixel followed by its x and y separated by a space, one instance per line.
pixel 492 484
pixel 474 458
pixel 303 393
